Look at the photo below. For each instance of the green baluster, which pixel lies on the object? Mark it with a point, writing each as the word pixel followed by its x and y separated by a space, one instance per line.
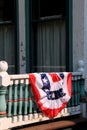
pixel 15 98
pixel 26 97
pixel 2 101
pixel 9 100
pixel 35 106
pixel 30 103
pixel 76 99
pixel 73 92
pixel 30 100
pixel 20 98
pixel 82 89
pixel 78 84
pixel 35 109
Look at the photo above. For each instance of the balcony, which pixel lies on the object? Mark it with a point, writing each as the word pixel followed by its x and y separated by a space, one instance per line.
pixel 18 107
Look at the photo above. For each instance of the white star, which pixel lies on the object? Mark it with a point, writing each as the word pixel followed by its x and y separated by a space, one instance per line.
pixel 45 80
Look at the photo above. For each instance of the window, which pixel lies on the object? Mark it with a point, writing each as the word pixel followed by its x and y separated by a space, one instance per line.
pixel 7 33
pixel 43 8
pixel 7 10
pixel 48 38
pixel 50 8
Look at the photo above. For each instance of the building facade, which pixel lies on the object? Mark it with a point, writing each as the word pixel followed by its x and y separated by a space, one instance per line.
pixel 41 35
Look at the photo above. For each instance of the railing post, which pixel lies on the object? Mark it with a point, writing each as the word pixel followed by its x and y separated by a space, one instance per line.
pixel 81 66
pixel 4 82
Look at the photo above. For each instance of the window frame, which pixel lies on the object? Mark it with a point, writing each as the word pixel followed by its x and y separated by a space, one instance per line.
pixel 69 60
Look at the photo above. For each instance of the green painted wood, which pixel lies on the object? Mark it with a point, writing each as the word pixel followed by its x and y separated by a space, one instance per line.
pixel 73 93
pixel 78 87
pixel 20 99
pixel 15 100
pixel 25 99
pixel 2 102
pixel 9 101
pixel 35 106
pixel 82 88
pixel 69 35
pixel 76 93
pixel 30 101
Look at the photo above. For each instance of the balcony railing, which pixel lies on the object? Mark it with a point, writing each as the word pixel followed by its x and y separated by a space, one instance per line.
pixel 17 104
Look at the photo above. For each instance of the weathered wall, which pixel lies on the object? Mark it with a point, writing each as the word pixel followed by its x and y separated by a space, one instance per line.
pixel 80 35
pixel 85 42
pixel 78 32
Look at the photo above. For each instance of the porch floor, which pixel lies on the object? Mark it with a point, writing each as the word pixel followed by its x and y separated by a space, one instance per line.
pixel 72 123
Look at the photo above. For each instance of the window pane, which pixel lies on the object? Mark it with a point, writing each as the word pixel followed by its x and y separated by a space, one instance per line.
pixel 7 46
pixel 7 33
pixel 48 35
pixel 50 47
pixel 44 8
pixel 52 7
pixel 7 10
